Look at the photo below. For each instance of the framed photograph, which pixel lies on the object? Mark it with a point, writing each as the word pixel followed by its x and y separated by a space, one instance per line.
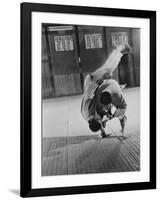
pixel 88 99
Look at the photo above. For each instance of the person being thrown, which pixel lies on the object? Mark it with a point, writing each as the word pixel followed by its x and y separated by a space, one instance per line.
pixel 102 94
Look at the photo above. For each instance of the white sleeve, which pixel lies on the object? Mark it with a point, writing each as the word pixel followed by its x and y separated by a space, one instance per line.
pixel 87 81
pixel 109 66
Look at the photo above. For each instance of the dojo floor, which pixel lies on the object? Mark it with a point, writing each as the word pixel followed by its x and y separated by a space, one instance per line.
pixel 69 147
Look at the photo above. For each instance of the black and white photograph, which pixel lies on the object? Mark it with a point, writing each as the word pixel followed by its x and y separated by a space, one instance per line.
pixel 88 86
pixel 90 99
pixel 80 93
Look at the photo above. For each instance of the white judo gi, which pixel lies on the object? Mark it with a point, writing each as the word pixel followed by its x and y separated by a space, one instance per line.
pixel 100 81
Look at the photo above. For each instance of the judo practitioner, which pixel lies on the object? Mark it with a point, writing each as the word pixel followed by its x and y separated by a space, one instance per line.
pixel 103 98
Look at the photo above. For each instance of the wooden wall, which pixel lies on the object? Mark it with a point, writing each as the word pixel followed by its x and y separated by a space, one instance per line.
pixel 47 86
pixel 89 47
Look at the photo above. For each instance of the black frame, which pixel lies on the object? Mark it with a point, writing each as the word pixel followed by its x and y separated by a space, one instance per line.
pixel 26 105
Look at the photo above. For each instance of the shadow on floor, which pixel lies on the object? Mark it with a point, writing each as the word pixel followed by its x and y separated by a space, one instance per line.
pixel 65 141
pixel 90 154
pixel 15 191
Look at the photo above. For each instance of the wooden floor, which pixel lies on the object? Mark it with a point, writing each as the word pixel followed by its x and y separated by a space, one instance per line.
pixel 89 154
pixel 69 147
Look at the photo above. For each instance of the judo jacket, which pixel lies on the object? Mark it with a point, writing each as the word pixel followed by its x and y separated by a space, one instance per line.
pixel 91 99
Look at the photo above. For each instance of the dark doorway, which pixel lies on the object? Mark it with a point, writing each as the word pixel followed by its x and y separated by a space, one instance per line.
pixel 126 70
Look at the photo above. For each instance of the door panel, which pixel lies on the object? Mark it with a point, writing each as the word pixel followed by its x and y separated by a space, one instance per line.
pixel 64 57
pixel 136 52
pixel 92 48
pixel 125 71
pixel 47 87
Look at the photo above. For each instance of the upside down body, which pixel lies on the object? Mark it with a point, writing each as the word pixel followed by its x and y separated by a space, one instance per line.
pixel 98 82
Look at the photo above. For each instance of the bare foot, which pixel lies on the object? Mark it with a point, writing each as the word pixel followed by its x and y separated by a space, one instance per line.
pixel 122 137
pixel 104 135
